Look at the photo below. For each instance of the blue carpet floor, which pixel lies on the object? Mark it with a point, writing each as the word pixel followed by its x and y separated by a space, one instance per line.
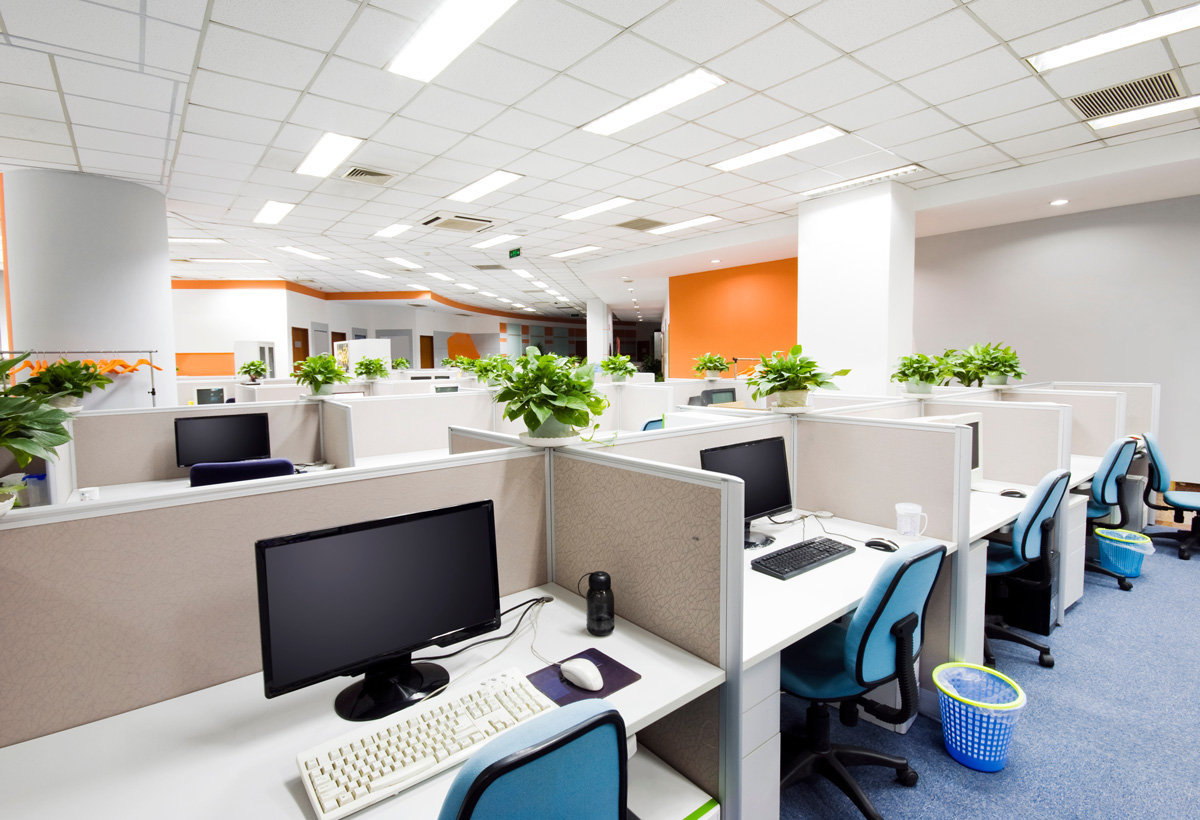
pixel 1113 731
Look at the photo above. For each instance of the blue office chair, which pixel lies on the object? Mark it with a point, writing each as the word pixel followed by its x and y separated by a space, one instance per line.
pixel 1176 502
pixel 842 662
pixel 1031 543
pixel 697 401
pixel 223 472
pixel 654 424
pixel 569 762
pixel 1105 493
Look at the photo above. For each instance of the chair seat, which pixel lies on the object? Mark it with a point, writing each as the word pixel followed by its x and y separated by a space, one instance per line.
pixel 1095 510
pixel 1002 559
pixel 1185 501
pixel 813 667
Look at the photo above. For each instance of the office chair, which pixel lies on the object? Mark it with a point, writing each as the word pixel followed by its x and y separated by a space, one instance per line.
pixel 842 662
pixel 718 395
pixel 1104 494
pixel 1031 542
pixel 569 762
pixel 697 401
pixel 653 424
pixel 1177 502
pixel 223 472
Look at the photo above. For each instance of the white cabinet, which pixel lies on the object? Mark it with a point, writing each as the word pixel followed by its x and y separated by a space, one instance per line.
pixel 1071 554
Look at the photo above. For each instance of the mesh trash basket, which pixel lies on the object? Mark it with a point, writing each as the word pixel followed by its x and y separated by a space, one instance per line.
pixel 1122 551
pixel 979 709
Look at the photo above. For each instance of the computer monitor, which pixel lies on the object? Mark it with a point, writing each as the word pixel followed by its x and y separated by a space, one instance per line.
pixel 762 465
pixel 449 388
pixel 420 378
pixel 210 395
pixel 230 437
pixel 975 422
pixel 719 395
pixel 360 599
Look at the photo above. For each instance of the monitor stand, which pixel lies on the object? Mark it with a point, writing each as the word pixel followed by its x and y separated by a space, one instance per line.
pixel 754 540
pixel 389 687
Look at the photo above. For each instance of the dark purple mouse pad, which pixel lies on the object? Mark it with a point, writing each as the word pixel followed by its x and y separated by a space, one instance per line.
pixel 616 677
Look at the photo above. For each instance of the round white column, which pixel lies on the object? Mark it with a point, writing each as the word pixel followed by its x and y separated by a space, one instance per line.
pixel 89 269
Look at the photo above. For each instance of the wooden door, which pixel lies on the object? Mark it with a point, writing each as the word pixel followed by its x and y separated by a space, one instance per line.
pixel 299 346
pixel 426 351
pixel 336 337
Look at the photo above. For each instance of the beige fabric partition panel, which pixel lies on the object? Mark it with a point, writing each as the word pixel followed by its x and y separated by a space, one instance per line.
pixel 682 447
pixel 337 434
pixel 1018 442
pixel 461 441
pixel 910 410
pixel 139 445
pixel 861 470
pixel 1097 419
pixel 1141 403
pixel 641 402
pixel 688 739
pixel 103 615
pixel 405 424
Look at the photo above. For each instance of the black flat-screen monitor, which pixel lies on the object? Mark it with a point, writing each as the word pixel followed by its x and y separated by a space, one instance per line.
pixel 210 395
pixel 231 437
pixel 362 598
pixel 450 388
pixel 720 395
pixel 420 378
pixel 762 465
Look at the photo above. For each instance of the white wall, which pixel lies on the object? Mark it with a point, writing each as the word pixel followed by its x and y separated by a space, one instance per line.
pixel 210 321
pixel 1107 295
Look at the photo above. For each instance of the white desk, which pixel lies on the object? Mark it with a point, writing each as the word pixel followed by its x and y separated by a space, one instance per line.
pixel 227 751
pixel 1083 468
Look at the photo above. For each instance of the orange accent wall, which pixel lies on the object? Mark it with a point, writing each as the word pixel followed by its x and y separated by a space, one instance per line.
pixel 461 344
pixel 7 298
pixel 744 311
pixel 204 364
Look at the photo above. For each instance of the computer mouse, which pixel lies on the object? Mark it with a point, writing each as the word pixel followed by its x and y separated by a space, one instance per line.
pixel 583 673
pixel 882 544
pixel 1012 493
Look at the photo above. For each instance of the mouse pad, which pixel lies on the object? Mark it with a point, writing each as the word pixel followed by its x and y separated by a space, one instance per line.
pixel 616 677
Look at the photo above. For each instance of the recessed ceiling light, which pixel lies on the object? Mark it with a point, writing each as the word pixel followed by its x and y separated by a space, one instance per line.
pixel 716 261
pixel 524 274
pixel 392 230
pixel 194 240
pixel 415 285
pixel 850 183
pixel 1140 32
pixel 530 310
pixel 517 305
pixel 446 34
pixel 373 273
pixel 640 319
pixel 496 240
pixel 441 276
pixel 465 286
pixel 674 93
pixel 1060 202
pixel 493 181
pixel 575 251
pixel 329 152
pixel 553 292
pixel 234 261
pixel 502 299
pixel 302 252
pixel 691 223
pixel 598 208
pixel 537 283
pixel 486 293
pixel 273 211
pixel 631 290
pixel 1159 110
pixel 814 137
pixel 404 263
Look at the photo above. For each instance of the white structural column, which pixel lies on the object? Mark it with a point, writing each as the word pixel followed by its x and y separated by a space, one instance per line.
pixel 89 270
pixel 599 330
pixel 855 282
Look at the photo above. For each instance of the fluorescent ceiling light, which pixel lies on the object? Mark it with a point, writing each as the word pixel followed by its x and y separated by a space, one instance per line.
pixel 530 310
pixel 273 212
pixel 189 240
pixel 496 240
pixel 493 181
pixel 1060 202
pixel 1145 113
pixel 392 230
pixel 598 208
pixel 488 294
pixel 329 152
pixel 373 273
pixel 235 261
pixel 465 286
pixel 524 274
pixel 302 252
pixel 502 299
pixel 1140 32
pixel 441 276
pixel 404 263
pixel 814 137
pixel 850 183
pixel 553 293
pixel 517 305
pixel 575 251
pixel 415 285
pixel 537 283
pixel 446 34
pixel 662 99
pixel 679 226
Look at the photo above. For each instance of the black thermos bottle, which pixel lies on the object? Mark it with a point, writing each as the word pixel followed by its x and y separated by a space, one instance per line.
pixel 600 615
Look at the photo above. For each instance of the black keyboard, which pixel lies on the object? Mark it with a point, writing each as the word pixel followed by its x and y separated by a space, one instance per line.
pixel 791 561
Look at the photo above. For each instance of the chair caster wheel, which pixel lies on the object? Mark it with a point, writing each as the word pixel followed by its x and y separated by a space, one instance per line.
pixel 1185 555
pixel 907 777
pixel 990 663
pixel 1125 585
pixel 1046 660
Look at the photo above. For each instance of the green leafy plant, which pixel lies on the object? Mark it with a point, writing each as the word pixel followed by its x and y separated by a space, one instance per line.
pixel 448 362
pixel 972 365
pixel 11 489
pixel 465 363
pixel 28 427
pixel 370 369
pixel 710 361
pixel 256 370
pixel 791 371
pixel 400 363
pixel 618 366
pixel 492 369
pixel 317 372
pixel 919 368
pixel 542 387
pixel 62 379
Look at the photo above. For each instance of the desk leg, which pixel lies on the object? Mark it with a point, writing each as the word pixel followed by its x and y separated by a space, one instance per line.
pixel 760 740
pixel 954 620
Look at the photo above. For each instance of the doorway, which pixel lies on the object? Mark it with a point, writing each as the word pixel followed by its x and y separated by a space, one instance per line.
pixel 299 346
pixel 427 352
pixel 337 336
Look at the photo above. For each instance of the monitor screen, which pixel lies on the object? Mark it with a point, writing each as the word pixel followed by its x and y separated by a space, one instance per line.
pixel 974 425
pixel 762 465
pixel 450 388
pixel 232 437
pixel 210 395
pixel 363 597
pixel 720 396
pixel 420 378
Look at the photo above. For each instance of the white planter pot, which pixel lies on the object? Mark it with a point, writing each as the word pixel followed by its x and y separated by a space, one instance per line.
pixel 996 379
pixel 5 506
pixel 324 391
pixel 618 378
pixel 713 374
pixel 912 386
pixel 793 398
pixel 65 402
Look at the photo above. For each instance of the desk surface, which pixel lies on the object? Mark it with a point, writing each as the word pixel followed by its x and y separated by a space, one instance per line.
pixel 227 751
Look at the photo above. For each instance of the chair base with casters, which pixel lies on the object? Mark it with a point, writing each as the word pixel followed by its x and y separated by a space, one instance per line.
pixel 995 628
pixel 1159 480
pixel 1093 564
pixel 1185 541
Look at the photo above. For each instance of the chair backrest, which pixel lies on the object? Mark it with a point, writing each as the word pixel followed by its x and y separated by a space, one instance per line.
pixel 1114 465
pixel 901 587
pixel 696 401
pixel 1042 505
pixel 1160 476
pixel 569 762
pixel 718 395
pixel 223 472
pixel 653 424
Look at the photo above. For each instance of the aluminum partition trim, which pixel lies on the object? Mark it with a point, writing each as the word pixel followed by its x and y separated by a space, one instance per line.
pixel 961 527
pixel 672 432
pixel 348 412
pixel 854 408
pixel 250 406
pixel 507 439
pixel 548 455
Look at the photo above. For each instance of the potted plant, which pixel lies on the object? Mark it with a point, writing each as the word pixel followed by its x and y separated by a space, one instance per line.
pixel 8 496
pixel 710 366
pixel 400 363
pixel 491 370
pixel 956 365
pixel 63 383
pixel 997 362
pixel 918 372
pixel 448 362
pixel 465 364
pixel 370 369
pixel 791 375
pixel 320 374
pixel 29 427
pixel 552 398
pixel 619 367
pixel 256 369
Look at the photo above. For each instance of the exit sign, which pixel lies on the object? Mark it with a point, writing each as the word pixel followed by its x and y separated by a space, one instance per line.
pixel 514 253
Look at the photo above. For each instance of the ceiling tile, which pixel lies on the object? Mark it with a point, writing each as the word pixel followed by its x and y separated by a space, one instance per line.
pixel 188 13
pixel 171 47
pixel 548 33
pixel 630 66
pixel 485 152
pixel 635 160
pixel 120 142
pixel 1186 47
pixel 197 182
pixel 1030 121
pixel 1183 125
pixel 455 171
pixel 714 100
pixel 622 12
pixel 852 24
pixel 417 136
pixel 311 23
pixel 13 149
pixel 181 193
pixel 1062 152
pixel 1047 141
pixel 86 111
pixel 775 169
pixel 638 188
pixel 542 166
pixel 931 44
pixel 213 167
pixel 1072 31
pixel 242 96
pixel 777 54
pixel 866 164
pixel 1013 18
pixel 376 37
pixel 81 26
pixel 214 148
pixel 835 82
pixel 1109 69
pixel 30 102
pixel 682 173
pixel 338 117
pixel 493 75
pixel 885 104
pixel 996 102
pixel 702 29
pixel 687 141
pixel 358 84
pixel 908 128
pixel 750 116
pixel 981 71
pixel 19 66
pixel 987 169
pixel 110 161
pixel 114 84
pixel 836 150
pixel 251 57
pixel 450 109
pixel 972 158
pixel 594 178
pixel 568 100
pixel 30 128
pixel 951 142
pixel 382 157
pixel 521 128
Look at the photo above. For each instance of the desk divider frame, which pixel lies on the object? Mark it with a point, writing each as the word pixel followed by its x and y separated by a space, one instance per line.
pixel 337 433
pixel 1029 439
pixel 1143 401
pixel 1097 417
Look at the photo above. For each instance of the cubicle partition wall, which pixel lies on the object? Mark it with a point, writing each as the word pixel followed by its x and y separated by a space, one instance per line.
pixel 388 427
pixel 337 433
pixel 407 387
pixel 893 409
pixel 639 403
pixel 1142 402
pixel 471 440
pixel 1018 442
pixel 681 445
pixel 1097 418
pixel 291 391
pixel 684 389
pixel 120 606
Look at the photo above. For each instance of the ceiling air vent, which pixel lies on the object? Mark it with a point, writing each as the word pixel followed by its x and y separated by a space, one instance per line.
pixel 489 267
pixel 450 221
pixel 641 224
pixel 1126 96
pixel 368 176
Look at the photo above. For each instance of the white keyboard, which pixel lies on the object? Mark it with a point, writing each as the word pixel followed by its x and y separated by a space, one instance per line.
pixel 391 754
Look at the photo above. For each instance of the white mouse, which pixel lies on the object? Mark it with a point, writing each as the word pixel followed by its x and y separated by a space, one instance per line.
pixel 583 673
